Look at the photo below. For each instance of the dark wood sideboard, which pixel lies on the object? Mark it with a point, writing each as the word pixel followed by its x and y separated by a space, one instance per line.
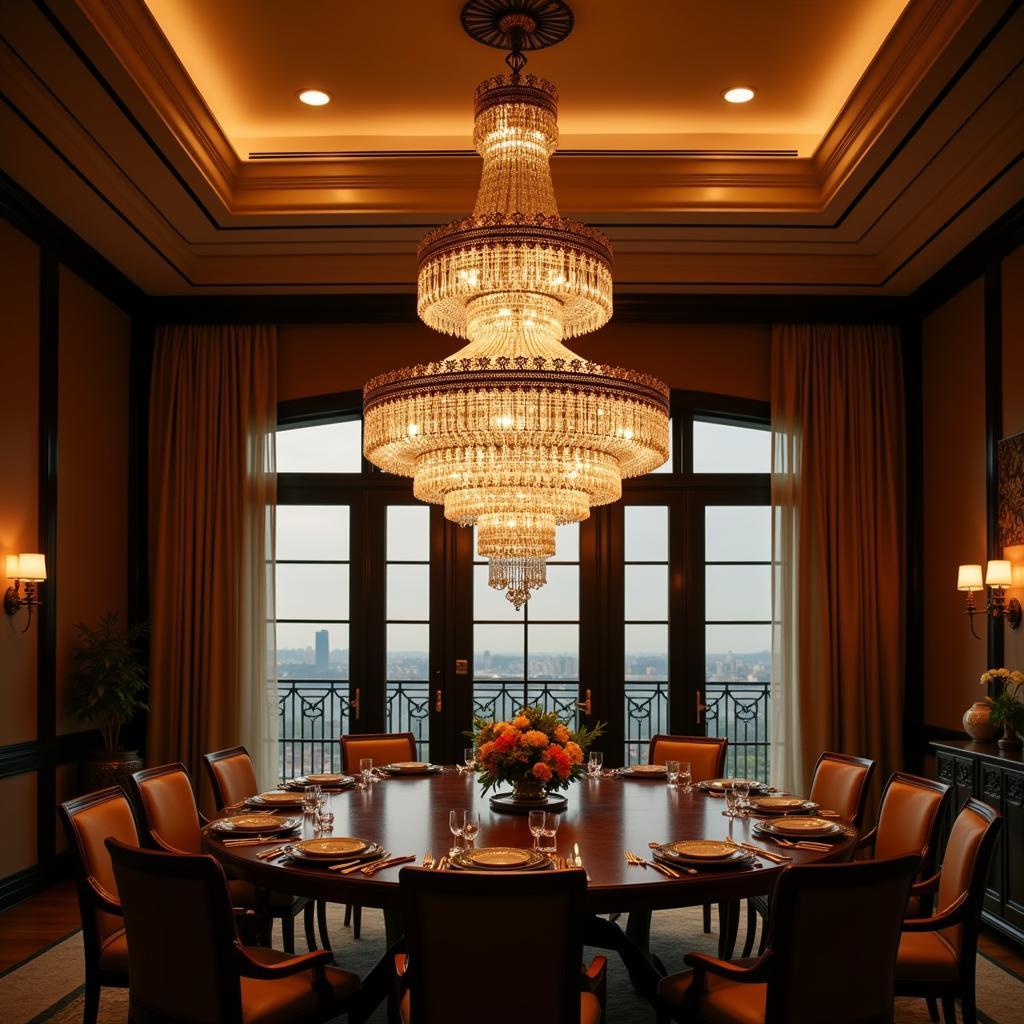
pixel 995 776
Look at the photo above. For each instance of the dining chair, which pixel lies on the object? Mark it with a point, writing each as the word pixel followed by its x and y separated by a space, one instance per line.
pixel 938 954
pixel 706 754
pixel 526 968
pixel 232 776
pixel 383 747
pixel 186 963
pixel 172 822
pixel 909 818
pixel 840 783
pixel 88 821
pixel 835 932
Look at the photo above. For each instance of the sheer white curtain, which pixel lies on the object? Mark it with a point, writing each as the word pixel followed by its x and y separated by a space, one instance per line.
pixel 838 473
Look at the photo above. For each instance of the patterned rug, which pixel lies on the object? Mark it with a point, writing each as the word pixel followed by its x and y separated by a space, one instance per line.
pixel 48 988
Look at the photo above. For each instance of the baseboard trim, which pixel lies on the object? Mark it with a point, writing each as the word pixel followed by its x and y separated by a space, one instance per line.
pixel 22 884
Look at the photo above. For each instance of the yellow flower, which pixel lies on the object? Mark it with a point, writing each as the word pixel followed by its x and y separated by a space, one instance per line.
pixel 501 726
pixel 521 722
pixel 561 734
pixel 535 738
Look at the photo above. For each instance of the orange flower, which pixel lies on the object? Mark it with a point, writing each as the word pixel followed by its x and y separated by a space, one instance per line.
pixel 535 738
pixel 506 741
pixel 501 726
pixel 542 771
pixel 561 734
pixel 521 722
pixel 485 751
pixel 575 752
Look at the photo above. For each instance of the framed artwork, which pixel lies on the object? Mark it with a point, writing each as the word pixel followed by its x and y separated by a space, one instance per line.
pixel 1010 463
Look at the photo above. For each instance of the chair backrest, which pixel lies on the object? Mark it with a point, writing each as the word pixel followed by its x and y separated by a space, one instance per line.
pixel 232 776
pixel 835 934
pixel 170 816
pixel 383 747
pixel 965 867
pixel 181 933
pixel 512 944
pixel 706 754
pixel 88 821
pixel 911 811
pixel 840 783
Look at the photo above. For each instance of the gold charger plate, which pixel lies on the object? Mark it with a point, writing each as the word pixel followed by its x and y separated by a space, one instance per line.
pixel 410 767
pixel 699 849
pixel 325 778
pixel 276 798
pixel 645 770
pixel 789 826
pixel 782 804
pixel 333 846
pixel 255 824
pixel 500 858
pixel 728 783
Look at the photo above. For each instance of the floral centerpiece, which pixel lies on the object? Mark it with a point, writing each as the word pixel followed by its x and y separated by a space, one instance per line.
pixel 1006 708
pixel 535 752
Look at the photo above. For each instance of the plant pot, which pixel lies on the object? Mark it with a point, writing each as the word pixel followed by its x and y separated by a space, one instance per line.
pixel 104 768
pixel 1010 740
pixel 977 724
pixel 529 791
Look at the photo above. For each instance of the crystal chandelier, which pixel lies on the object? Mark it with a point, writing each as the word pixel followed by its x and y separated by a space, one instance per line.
pixel 515 433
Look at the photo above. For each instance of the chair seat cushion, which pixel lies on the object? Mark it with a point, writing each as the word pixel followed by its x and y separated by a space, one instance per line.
pixel 288 999
pixel 245 894
pixel 114 952
pixel 723 1001
pixel 925 956
pixel 590 1008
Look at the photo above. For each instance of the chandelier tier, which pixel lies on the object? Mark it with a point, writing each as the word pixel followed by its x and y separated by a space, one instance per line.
pixel 515 433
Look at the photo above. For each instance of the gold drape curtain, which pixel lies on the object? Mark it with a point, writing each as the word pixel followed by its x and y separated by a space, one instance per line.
pixel 838 471
pixel 213 412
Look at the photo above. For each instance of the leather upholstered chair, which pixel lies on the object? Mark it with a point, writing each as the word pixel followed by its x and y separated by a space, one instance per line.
pixel 383 747
pixel 171 822
pixel 832 956
pixel 840 783
pixel 185 960
pixel 450 976
pixel 232 776
pixel 706 754
pixel 938 954
pixel 88 821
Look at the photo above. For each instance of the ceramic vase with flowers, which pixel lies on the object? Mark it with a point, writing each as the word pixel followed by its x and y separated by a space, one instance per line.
pixel 1006 707
pixel 536 753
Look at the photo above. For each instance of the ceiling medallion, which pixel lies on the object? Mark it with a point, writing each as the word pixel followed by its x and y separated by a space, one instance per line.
pixel 515 433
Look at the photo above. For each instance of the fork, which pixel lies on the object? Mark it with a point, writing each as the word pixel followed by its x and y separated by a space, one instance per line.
pixel 348 867
pixel 663 868
pixel 802 844
pixel 428 859
pixel 371 869
pixel 442 863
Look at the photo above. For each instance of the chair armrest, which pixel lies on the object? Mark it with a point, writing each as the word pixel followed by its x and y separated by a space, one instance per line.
pixel 401 964
pixel 927 886
pixel 955 913
pixel 594 979
pixel 754 974
pixel 104 900
pixel 250 968
pixel 868 839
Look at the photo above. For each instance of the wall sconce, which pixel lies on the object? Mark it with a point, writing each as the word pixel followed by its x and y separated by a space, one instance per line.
pixel 998 576
pixel 28 570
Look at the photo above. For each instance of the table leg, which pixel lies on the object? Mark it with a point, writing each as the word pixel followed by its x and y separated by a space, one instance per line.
pixel 728 928
pixel 633 947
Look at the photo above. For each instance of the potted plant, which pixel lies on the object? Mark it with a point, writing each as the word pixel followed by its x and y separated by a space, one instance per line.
pixel 107 682
pixel 535 752
pixel 1006 708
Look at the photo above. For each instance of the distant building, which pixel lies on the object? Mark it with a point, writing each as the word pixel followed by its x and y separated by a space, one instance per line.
pixel 323 650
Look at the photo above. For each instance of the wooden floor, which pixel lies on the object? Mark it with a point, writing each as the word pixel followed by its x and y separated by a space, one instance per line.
pixel 52 915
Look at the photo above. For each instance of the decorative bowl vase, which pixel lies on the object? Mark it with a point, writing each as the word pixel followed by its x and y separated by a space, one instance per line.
pixel 1010 740
pixel 530 791
pixel 977 724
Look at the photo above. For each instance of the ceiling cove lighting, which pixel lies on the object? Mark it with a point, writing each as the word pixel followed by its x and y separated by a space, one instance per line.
pixel 315 97
pixel 515 433
pixel 739 94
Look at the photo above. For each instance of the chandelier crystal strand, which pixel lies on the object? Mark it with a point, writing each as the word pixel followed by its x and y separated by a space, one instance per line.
pixel 515 433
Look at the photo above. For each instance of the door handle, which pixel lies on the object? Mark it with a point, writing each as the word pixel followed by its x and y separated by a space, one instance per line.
pixel 700 708
pixel 586 706
pixel 354 705
pixel 438 702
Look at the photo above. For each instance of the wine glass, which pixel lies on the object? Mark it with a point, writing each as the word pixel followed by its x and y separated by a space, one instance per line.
pixel 731 801
pixel 471 828
pixel 595 763
pixel 469 759
pixel 672 773
pixel 457 825
pixel 536 827
pixel 311 799
pixel 366 770
pixel 550 828
pixel 741 787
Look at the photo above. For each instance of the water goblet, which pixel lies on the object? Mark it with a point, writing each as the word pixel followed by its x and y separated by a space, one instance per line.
pixel 469 759
pixel 731 802
pixel 550 828
pixel 672 773
pixel 324 821
pixel 311 799
pixel 594 764
pixel 685 780
pixel 472 828
pixel 366 771
pixel 741 787
pixel 457 825
pixel 536 827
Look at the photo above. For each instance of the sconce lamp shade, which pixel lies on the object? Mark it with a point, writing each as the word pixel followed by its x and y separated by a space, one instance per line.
pixel 969 578
pixel 999 574
pixel 31 567
pixel 12 567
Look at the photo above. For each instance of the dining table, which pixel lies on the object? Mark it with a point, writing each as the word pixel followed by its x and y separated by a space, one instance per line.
pixel 605 816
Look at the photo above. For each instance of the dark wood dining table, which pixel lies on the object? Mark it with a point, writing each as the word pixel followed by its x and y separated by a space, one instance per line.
pixel 605 817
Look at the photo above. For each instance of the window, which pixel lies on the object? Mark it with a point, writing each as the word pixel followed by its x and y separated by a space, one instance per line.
pixel 720 447
pixel 322 448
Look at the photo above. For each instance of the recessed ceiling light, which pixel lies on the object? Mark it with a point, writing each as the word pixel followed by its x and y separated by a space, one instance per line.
pixel 315 97
pixel 738 94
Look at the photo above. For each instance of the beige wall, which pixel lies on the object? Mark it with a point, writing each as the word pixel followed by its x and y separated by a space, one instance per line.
pixel 953 384
pixel 731 359
pixel 1013 414
pixel 19 469
pixel 18 798
pixel 92 484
